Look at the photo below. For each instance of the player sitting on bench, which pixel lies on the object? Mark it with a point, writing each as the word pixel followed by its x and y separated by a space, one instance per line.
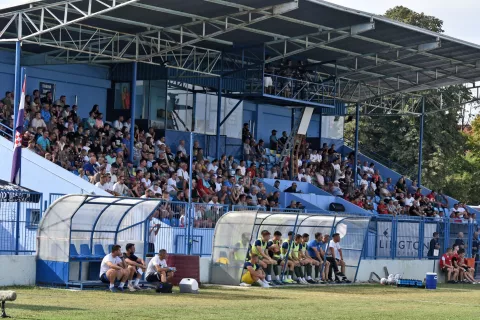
pixel 273 247
pixel 260 249
pixel 158 270
pixel 253 273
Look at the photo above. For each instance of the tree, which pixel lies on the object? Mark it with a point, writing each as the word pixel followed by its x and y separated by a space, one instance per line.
pixel 397 137
pixel 406 15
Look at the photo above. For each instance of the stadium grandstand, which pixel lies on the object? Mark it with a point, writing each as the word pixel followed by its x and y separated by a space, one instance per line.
pixel 214 130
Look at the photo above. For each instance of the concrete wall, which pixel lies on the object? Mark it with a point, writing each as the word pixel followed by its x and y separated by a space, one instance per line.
pixel 42 175
pixel 18 270
pixel 409 269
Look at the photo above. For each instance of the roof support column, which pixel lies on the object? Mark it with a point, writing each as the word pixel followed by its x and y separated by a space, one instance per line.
pixel 133 96
pixel 420 145
pixel 18 83
pixel 357 124
pixel 219 115
pixel 190 209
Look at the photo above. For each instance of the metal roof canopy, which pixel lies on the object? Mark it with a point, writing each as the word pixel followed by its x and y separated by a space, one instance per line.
pixel 375 56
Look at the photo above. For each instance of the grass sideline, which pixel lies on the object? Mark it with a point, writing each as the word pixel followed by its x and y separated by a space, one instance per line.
pixel 330 302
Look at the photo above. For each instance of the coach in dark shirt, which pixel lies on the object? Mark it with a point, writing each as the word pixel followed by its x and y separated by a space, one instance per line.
pixel 434 244
pixel 459 241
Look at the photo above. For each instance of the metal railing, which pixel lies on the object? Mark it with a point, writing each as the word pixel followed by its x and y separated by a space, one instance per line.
pixel 6 131
pixel 404 237
pixel 20 214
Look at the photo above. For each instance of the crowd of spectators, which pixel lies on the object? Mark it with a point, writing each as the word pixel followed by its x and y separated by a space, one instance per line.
pixel 98 152
pixel 279 78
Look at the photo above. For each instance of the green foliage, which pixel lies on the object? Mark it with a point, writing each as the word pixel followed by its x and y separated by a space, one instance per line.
pixel 406 15
pixel 446 163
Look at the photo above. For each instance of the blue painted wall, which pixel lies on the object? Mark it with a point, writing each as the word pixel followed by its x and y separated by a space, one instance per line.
pixel 88 83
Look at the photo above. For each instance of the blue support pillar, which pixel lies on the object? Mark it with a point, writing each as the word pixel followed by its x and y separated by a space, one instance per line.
pixel 219 115
pixel 190 213
pixel 133 103
pixel 320 132
pixel 420 145
pixel 292 123
pixel 357 123
pixel 18 83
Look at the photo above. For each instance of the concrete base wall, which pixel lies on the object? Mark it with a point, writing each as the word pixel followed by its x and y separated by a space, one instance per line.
pixel 409 269
pixel 18 270
pixel 21 270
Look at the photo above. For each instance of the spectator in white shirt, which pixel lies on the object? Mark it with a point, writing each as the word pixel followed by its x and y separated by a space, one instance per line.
pixel 272 173
pixel 38 121
pixel 102 184
pixel 213 166
pixel 114 268
pixel 120 189
pixel 218 184
pixel 242 167
pixel 181 148
pixel 155 188
pixel 182 175
pixel 118 124
pixel 158 270
pixel 364 181
pixel 172 184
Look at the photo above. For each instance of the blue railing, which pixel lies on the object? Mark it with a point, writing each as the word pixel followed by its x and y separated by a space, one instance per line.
pixel 6 131
pixel 404 237
pixel 400 237
pixel 20 214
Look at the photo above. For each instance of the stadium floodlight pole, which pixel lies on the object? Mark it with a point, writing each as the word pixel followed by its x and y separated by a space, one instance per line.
pixel 190 212
pixel 18 83
pixel 133 95
pixel 357 124
pixel 420 145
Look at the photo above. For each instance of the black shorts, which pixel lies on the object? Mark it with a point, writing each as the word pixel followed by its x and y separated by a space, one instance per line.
pixel 445 269
pixel 155 277
pixel 150 250
pixel 104 278
pixel 466 268
pixel 279 261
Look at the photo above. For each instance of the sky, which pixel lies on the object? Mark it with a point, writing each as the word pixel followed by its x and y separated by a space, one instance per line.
pixel 460 18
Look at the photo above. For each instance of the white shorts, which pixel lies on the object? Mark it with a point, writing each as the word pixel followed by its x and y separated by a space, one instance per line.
pixel 267 82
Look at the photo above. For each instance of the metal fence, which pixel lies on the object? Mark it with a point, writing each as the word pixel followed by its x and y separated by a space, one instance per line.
pixel 182 228
pixel 404 237
pixel 20 214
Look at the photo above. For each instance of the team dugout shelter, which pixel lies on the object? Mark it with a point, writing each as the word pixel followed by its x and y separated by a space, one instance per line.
pixel 77 231
pixel 233 226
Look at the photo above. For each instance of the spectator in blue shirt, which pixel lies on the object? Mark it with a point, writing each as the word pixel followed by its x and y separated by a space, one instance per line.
pixel 91 167
pixel 45 112
pixel 316 251
pixel 43 142
pixel 390 186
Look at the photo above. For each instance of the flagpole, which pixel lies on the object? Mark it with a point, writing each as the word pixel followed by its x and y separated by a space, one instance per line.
pixel 23 78
pixel 18 131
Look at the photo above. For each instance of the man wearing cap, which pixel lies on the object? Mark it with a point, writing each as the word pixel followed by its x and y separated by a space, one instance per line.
pixel 274 141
